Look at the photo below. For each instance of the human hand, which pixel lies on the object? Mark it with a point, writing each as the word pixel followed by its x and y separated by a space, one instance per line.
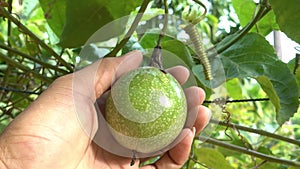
pixel 48 134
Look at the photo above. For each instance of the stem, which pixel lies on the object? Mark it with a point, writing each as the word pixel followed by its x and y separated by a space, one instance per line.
pixel 257 131
pixel 249 152
pixel 134 25
pixel 19 91
pixel 25 30
pixel 165 27
pixel 24 68
pixel 262 12
pixel 46 65
pixel 156 58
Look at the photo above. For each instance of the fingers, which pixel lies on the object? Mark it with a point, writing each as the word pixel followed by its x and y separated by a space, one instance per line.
pixel 195 97
pixel 202 119
pixel 130 61
pixel 198 115
pixel 177 156
pixel 180 73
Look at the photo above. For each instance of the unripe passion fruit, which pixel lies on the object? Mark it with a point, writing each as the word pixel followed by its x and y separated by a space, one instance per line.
pixel 146 110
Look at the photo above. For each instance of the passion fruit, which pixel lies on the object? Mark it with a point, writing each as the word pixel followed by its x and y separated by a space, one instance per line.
pixel 146 110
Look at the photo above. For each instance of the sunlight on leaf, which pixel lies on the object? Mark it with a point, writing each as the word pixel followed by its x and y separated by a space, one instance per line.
pixel 211 158
pixel 254 57
pixel 287 17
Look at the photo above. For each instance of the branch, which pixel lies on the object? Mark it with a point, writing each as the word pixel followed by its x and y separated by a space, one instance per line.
pixel 134 25
pixel 24 68
pixel 165 27
pixel 257 131
pixel 46 65
pixel 156 58
pixel 238 100
pixel 19 91
pixel 25 30
pixel 264 9
pixel 249 152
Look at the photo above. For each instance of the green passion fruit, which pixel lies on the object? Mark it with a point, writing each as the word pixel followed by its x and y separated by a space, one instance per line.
pixel 146 110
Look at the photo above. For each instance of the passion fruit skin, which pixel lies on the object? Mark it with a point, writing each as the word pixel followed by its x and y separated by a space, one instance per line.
pixel 146 110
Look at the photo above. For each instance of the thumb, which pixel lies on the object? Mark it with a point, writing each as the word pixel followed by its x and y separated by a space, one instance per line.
pixel 110 69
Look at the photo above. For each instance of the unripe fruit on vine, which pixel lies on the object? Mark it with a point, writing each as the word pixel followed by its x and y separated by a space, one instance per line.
pixel 146 110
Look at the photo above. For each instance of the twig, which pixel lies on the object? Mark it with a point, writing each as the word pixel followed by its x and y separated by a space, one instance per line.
pixel 197 162
pixel 19 91
pixel 257 131
pixel 24 68
pixel 165 27
pixel 239 100
pixel 156 57
pixel 46 65
pixel 259 165
pixel 134 25
pixel 25 30
pixel 249 152
pixel 262 12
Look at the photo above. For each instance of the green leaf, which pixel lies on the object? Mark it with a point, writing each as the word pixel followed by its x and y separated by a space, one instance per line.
pixel 2 127
pixel 174 53
pixel 83 18
pixel 151 13
pixel 211 158
pixel 268 87
pixel 178 54
pixel 254 57
pixel 179 49
pixel 54 12
pixel 292 65
pixel 245 10
pixel 287 17
pixel 170 59
pixel 149 39
pixel 217 72
pixel 234 88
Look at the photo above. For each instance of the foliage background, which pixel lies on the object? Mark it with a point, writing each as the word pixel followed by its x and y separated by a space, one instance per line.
pixel 40 41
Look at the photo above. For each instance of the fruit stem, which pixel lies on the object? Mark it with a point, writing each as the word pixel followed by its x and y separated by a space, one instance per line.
pixel 156 60
pixel 133 158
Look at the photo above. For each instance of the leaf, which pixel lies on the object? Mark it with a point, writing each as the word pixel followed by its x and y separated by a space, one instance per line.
pixel 245 10
pixel 170 59
pixel 217 72
pixel 151 13
pixel 2 127
pixel 211 158
pixel 54 13
pixel 174 53
pixel 83 18
pixel 178 54
pixel 149 39
pixel 178 48
pixel 292 66
pixel 287 17
pixel 253 56
pixel 234 88
pixel 268 87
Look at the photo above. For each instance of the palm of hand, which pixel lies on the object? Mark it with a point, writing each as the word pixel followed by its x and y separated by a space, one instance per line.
pixel 48 134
